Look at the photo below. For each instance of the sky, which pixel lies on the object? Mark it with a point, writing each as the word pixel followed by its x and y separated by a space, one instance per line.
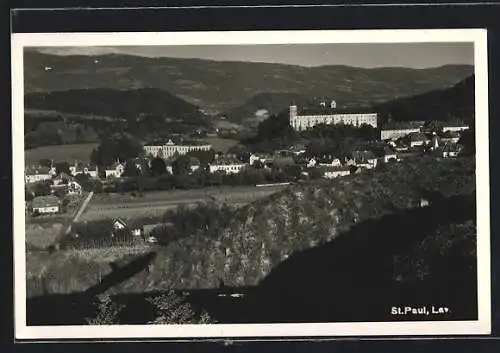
pixel 414 55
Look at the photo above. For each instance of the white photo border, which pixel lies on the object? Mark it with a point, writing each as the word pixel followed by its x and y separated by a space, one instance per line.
pixel 476 36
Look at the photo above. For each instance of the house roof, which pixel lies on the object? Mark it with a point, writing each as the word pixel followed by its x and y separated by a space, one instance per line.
pixel 226 161
pixel 418 136
pixel 45 201
pixel 455 124
pixel 401 125
pixel 336 169
pixel 363 155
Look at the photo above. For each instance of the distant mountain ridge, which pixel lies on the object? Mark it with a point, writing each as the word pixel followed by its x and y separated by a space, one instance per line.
pixel 217 87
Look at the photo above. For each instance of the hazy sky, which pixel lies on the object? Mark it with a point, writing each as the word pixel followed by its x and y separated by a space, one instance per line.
pixel 416 55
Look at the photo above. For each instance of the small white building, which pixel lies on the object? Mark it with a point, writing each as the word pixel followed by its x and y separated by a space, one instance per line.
pixel 45 204
pixel 455 127
pixel 260 157
pixel 335 172
pixel 397 130
pixel 115 170
pixel 38 173
pixel 74 188
pixel 227 165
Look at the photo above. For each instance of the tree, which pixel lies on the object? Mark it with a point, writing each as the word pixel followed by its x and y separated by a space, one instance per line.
pixel 45 162
pixel 171 308
pixel 107 313
pixel 181 165
pixel 62 167
pixel 130 169
pixel 468 142
pixel 205 157
pixel 120 146
pixel 158 166
pixel 42 188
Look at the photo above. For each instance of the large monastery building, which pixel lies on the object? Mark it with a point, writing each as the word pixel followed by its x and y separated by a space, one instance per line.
pixel 305 118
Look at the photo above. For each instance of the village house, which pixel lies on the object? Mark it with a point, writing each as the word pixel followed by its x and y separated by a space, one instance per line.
pixel 335 172
pixel 260 157
pixel 417 139
pixel 363 159
pixel 115 170
pixel 450 137
pixel 227 165
pixel 455 127
pixel 395 130
pixel 45 205
pixel 328 161
pixel 90 170
pixel 449 150
pixel 38 173
pixel 389 155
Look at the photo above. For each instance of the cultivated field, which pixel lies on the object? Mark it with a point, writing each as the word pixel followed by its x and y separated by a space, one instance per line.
pixel 220 144
pixel 70 153
pixel 156 203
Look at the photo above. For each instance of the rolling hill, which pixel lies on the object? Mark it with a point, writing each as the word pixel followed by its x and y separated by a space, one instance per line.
pixel 114 103
pixel 374 207
pixel 218 87
pixel 455 102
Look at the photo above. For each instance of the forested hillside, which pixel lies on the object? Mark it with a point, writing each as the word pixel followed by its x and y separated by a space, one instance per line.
pixel 218 87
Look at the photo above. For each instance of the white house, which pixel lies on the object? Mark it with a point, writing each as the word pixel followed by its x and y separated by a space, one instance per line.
pixel 90 170
pixel 335 162
pixel 335 172
pixel 263 158
pixel 74 188
pixel 455 127
pixel 115 170
pixel 418 139
pixel 38 173
pixel 227 165
pixel 45 204
pixel 397 130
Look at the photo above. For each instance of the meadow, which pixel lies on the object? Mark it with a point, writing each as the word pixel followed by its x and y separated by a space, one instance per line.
pixel 220 144
pixel 157 202
pixel 70 153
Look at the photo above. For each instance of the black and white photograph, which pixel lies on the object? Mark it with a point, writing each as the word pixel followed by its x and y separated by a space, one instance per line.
pixel 251 184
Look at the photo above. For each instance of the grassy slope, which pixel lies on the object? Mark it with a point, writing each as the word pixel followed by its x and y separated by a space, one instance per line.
pixel 266 232
pixel 220 86
pixel 79 152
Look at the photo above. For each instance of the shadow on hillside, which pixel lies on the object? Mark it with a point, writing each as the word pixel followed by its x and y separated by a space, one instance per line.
pixel 352 277
pixel 349 279
pixel 68 309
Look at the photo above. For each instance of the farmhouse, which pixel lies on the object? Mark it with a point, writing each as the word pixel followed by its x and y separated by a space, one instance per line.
pixel 45 204
pixel 91 170
pixel 227 165
pixel 335 172
pixel 38 173
pixel 416 139
pixel 260 157
pixel 307 118
pixel 395 130
pixel 169 148
pixel 455 127
pixel 115 170
pixel 450 137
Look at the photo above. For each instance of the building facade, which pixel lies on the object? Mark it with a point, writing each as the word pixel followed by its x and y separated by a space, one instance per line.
pixel 329 116
pixel 393 131
pixel 170 149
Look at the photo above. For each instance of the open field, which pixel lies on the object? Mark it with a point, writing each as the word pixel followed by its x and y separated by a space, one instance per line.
pixel 156 203
pixel 70 153
pixel 220 144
